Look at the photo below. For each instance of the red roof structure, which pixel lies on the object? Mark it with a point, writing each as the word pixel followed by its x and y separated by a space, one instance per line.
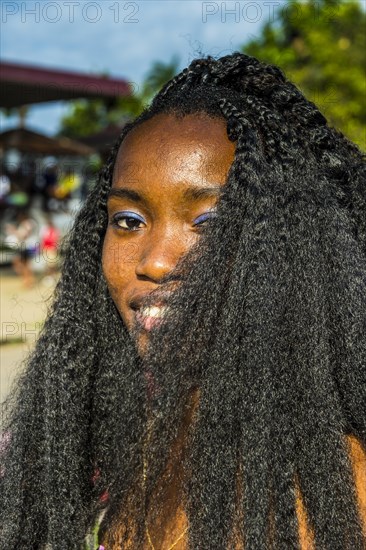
pixel 25 85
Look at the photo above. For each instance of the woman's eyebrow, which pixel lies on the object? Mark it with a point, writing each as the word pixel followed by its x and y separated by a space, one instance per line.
pixel 197 193
pixel 124 193
pixel 189 193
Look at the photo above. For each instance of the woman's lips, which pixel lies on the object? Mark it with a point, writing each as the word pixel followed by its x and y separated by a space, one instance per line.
pixel 150 316
pixel 150 307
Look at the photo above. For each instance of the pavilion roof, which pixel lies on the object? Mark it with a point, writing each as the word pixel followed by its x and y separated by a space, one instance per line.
pixel 25 85
pixel 28 141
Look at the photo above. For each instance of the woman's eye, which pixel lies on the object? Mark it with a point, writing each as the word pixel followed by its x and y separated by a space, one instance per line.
pixel 203 218
pixel 128 221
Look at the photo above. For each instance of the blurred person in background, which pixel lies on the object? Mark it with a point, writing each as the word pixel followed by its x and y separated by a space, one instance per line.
pixel 49 184
pixel 5 186
pixel 22 236
pixel 69 182
pixel 200 380
pixel 49 243
pixel 29 173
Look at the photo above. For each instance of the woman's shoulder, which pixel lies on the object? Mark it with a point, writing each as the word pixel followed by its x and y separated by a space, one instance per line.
pixel 357 453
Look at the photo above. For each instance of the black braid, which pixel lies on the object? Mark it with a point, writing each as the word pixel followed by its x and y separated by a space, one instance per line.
pixel 270 324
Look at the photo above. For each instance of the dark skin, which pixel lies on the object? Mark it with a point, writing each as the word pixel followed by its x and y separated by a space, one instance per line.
pixel 160 166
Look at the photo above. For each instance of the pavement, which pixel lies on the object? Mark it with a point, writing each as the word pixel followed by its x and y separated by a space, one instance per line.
pixel 22 313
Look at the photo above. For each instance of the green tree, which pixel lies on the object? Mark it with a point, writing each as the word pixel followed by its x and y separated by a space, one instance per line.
pixel 321 46
pixel 86 117
pixel 157 76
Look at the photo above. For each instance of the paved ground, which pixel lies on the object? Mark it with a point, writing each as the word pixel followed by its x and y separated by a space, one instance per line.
pixel 22 312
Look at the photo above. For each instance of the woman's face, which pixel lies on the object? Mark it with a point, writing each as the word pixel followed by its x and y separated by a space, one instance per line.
pixel 166 182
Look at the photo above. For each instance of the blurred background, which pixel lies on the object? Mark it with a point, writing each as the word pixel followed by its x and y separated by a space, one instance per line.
pixel 74 72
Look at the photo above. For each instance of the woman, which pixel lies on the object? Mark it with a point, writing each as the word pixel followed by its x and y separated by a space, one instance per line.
pixel 23 234
pixel 200 381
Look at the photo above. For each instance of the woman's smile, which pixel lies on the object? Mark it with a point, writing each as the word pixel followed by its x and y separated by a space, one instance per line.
pixel 150 317
pixel 150 309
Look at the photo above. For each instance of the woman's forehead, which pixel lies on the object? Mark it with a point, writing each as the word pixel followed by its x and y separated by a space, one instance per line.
pixel 171 126
pixel 191 143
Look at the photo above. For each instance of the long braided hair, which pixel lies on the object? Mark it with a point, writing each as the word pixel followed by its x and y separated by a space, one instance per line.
pixel 269 325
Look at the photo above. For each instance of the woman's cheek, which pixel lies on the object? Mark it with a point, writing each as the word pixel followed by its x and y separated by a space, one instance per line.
pixel 118 275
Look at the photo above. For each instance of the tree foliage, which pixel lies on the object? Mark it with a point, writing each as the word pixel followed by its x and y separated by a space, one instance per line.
pixel 86 117
pixel 321 45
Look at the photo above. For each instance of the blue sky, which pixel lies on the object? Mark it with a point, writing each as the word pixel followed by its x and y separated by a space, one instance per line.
pixel 121 37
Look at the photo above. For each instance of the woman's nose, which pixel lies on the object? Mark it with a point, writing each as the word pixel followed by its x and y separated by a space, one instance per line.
pixel 160 255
